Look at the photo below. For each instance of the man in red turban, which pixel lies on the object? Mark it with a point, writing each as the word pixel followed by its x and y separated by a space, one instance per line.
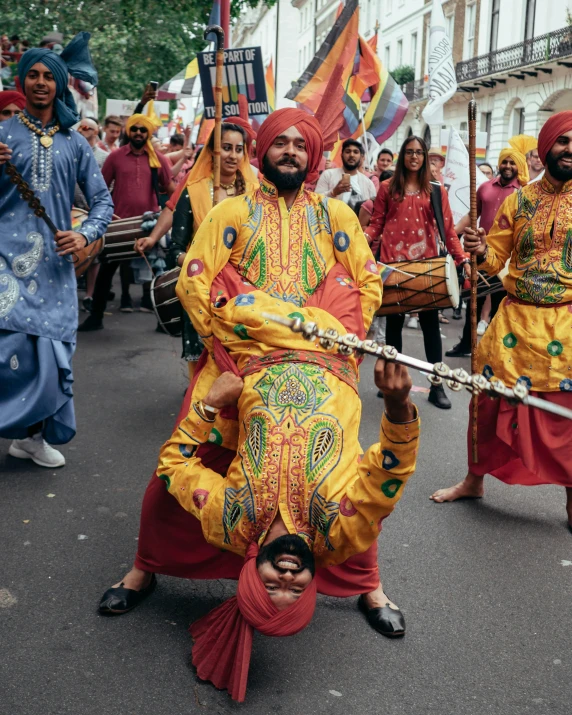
pixel 10 103
pixel 294 483
pixel 528 341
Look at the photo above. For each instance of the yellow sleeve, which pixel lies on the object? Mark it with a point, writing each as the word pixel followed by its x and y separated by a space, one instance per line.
pixel 374 492
pixel 183 472
pixel 208 254
pixel 500 240
pixel 353 252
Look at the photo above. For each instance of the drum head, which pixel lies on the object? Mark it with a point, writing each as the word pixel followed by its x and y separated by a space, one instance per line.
pixel 452 281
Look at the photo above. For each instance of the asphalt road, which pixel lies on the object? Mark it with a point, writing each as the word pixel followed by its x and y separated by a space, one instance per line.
pixel 485 586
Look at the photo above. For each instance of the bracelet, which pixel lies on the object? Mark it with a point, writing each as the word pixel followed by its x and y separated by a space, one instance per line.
pixel 201 410
pixel 214 410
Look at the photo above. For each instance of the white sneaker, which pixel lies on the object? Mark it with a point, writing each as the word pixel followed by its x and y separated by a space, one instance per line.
pixel 38 450
pixel 482 327
pixel 413 322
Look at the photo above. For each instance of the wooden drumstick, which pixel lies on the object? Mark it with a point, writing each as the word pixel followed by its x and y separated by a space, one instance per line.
pixel 472 116
pixel 217 91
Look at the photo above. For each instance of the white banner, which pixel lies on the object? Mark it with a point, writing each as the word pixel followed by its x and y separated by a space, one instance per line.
pixel 442 77
pixel 456 176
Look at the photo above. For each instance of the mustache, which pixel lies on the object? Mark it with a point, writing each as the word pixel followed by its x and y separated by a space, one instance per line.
pixel 288 162
pixel 564 155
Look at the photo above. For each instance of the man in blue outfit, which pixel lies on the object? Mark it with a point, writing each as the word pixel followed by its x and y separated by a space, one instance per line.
pixel 38 300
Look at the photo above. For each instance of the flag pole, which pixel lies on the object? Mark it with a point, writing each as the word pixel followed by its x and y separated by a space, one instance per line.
pixel 217 91
pixel 472 121
pixel 364 138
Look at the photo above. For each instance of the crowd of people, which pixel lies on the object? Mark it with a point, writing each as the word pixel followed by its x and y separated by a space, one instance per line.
pixel 262 479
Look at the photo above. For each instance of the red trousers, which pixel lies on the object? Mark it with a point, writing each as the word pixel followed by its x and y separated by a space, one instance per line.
pixel 523 445
pixel 171 541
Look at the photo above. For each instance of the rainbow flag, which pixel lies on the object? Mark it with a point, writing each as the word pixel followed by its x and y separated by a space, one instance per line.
pixel 270 89
pixel 371 82
pixel 181 85
pixel 338 47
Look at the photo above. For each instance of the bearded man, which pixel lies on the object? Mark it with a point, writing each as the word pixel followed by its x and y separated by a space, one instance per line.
pixel 38 302
pixel 289 453
pixel 11 103
pixel 348 184
pixel 528 340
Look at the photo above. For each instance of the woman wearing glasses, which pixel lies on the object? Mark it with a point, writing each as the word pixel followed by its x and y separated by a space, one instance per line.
pixel 403 228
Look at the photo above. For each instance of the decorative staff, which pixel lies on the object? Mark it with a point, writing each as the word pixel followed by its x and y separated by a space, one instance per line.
pixel 456 379
pixel 217 91
pixel 472 116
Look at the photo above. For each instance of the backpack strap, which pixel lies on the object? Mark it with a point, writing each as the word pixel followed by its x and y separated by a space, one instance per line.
pixel 437 206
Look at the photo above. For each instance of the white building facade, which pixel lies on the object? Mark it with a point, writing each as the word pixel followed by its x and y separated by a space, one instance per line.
pixel 257 28
pixel 514 56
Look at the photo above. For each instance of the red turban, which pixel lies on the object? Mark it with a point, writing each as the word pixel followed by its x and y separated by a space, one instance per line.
pixel 243 124
pixel 553 128
pixel 305 123
pixel 223 638
pixel 10 97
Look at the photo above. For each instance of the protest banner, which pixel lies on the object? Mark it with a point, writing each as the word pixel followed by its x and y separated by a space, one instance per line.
pixel 243 73
pixel 442 77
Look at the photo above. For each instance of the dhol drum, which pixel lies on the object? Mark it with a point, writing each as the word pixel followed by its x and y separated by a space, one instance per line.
pixel 166 305
pixel 412 286
pixel 83 258
pixel 120 239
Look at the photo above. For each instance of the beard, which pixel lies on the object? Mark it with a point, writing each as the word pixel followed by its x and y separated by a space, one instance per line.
pixel 287 544
pixel 556 171
pixel 283 181
pixel 137 143
pixel 351 166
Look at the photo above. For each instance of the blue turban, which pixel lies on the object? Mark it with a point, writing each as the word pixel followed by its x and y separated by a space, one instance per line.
pixel 75 60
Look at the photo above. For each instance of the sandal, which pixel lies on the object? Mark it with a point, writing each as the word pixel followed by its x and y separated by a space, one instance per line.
pixel 443 319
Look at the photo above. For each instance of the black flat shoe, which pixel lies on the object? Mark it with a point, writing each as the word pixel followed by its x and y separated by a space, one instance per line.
pixel 90 323
pixel 386 620
pixel 438 397
pixel 118 600
pixel 458 350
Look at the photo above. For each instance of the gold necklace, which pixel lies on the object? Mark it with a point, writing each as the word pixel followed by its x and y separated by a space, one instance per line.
pixel 45 137
pixel 229 188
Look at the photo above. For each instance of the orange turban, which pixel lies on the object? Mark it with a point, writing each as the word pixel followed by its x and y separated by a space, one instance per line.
pixel 554 127
pixel 305 123
pixel 223 638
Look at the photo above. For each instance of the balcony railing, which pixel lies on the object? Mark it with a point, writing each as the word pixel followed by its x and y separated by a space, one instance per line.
pixel 530 53
pixel 538 50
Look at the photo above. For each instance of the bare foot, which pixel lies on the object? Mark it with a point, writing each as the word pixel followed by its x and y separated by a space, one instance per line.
pixel 378 599
pixel 470 488
pixel 135 580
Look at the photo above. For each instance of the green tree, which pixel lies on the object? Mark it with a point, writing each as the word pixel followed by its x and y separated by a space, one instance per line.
pixel 133 41
pixel 403 74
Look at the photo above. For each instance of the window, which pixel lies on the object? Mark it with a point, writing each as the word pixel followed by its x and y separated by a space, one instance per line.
pixel 450 27
pixel 414 51
pixel 529 19
pixel 470 33
pixel 399 53
pixel 495 25
pixel 518 121
pixel 387 56
pixel 486 123
pixel 463 127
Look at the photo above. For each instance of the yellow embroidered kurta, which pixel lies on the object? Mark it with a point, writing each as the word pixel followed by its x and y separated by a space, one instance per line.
pixel 528 340
pixel 297 446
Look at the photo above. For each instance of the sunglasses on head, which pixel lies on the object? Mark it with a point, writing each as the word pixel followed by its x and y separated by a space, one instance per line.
pixel 141 130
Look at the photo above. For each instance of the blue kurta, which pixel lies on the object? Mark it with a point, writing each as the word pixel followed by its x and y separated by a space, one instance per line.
pixel 38 288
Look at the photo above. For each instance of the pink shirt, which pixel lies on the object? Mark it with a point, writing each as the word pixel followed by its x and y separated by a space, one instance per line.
pixel 489 198
pixel 407 230
pixel 133 192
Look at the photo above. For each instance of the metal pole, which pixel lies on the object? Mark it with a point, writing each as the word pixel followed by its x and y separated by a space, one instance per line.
pixel 472 117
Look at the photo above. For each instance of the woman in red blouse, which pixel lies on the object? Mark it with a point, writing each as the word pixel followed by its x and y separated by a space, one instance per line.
pixel 403 228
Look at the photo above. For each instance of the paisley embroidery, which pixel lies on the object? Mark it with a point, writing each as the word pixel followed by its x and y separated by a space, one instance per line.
pixel 526 208
pixel 26 263
pixel 9 297
pixel 537 286
pixel 2 264
pixel 566 260
pixel 32 287
pixel 14 362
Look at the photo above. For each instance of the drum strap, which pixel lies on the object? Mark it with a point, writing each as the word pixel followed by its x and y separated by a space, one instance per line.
pixel 437 206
